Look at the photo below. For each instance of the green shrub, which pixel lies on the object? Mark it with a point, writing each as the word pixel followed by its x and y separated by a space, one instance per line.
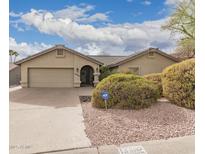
pixel 178 83
pixel 156 78
pixel 126 91
pixel 128 72
pixel 104 72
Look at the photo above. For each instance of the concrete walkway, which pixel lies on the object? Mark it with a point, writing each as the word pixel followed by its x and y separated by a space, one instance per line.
pixel 43 119
pixel 180 145
pixel 14 88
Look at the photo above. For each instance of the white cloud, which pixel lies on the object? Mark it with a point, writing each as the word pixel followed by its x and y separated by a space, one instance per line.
pixel 73 12
pixel 13 14
pixel 90 49
pixel 162 11
pixel 20 29
pixel 173 2
pixel 94 18
pixel 26 49
pixel 16 21
pixel 80 14
pixel 146 2
pixel 110 39
pixel 68 29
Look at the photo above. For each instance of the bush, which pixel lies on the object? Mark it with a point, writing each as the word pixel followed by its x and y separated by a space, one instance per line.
pixel 156 78
pixel 126 91
pixel 104 72
pixel 178 83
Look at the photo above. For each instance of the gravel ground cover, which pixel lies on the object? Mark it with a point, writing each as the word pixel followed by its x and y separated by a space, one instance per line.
pixel 160 121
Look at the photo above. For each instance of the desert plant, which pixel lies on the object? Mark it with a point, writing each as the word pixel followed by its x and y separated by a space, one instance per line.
pixel 178 83
pixel 126 91
pixel 156 78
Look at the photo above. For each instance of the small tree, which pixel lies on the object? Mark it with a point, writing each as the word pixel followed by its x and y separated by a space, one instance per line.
pixel 182 22
pixel 104 72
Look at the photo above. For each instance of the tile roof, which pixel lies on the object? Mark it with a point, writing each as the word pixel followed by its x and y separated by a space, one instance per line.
pixel 138 54
pixel 110 60
pixel 57 47
pixel 107 59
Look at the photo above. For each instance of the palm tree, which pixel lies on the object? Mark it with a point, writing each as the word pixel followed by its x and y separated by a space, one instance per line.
pixel 15 55
pixel 11 53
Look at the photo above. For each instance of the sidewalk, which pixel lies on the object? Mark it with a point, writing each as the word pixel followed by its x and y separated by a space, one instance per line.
pixel 180 145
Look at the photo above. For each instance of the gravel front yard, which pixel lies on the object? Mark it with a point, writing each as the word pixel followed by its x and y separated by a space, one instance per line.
pixel 160 121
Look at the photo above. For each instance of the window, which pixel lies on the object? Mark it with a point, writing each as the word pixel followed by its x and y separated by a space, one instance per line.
pixel 151 54
pixel 135 70
pixel 60 53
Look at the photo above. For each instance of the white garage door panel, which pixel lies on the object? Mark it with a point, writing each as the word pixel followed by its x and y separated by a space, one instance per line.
pixel 50 77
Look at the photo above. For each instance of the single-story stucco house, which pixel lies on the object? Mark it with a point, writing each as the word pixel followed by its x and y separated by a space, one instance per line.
pixel 60 66
pixel 14 74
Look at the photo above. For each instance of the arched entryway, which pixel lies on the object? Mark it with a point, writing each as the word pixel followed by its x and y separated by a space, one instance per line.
pixel 86 76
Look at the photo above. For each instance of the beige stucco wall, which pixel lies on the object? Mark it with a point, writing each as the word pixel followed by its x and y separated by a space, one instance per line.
pixel 49 60
pixel 147 64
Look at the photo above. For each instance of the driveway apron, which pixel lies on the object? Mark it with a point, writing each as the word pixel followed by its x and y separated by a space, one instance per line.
pixel 46 119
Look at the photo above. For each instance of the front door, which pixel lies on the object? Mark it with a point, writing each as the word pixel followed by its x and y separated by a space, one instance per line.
pixel 86 76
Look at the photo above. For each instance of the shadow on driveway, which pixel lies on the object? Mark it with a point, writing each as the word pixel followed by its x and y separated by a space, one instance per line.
pixel 46 119
pixel 53 97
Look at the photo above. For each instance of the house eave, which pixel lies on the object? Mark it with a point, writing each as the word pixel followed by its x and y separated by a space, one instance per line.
pixel 57 47
pixel 131 57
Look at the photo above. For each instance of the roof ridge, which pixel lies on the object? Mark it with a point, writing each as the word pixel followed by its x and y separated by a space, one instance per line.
pixel 130 57
pixel 53 48
pixel 108 55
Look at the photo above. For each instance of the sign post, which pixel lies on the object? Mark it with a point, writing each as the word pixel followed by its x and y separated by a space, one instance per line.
pixel 105 104
pixel 105 96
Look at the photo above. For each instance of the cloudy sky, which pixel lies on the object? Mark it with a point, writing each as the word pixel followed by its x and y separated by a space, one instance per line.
pixel 114 27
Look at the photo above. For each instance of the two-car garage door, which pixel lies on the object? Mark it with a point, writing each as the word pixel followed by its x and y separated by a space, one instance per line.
pixel 50 77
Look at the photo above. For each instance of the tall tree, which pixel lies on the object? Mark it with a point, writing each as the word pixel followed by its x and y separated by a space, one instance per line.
pixel 11 53
pixel 15 55
pixel 182 22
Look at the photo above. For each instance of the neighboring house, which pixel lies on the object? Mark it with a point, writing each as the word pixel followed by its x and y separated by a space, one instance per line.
pixel 63 67
pixel 14 74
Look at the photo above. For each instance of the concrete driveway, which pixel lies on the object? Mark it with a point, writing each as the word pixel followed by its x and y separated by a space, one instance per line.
pixel 45 119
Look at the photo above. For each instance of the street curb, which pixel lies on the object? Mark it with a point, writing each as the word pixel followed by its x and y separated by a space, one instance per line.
pixel 179 145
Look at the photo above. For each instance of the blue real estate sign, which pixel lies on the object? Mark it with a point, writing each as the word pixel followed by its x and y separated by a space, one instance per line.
pixel 105 95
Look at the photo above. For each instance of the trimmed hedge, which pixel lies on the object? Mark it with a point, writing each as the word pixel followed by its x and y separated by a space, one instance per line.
pixel 126 91
pixel 178 83
pixel 157 79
